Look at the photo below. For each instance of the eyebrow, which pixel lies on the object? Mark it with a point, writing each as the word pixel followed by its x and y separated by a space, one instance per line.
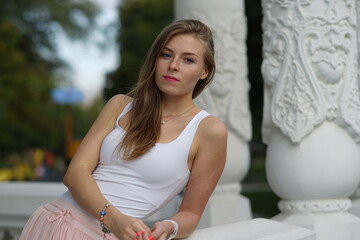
pixel 186 53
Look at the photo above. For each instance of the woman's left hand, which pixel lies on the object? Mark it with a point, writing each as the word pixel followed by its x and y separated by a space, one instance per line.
pixel 161 230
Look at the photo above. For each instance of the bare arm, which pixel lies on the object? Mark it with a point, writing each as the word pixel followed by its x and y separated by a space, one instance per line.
pixel 78 177
pixel 207 168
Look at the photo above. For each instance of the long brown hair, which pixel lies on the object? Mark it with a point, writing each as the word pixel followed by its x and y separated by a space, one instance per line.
pixel 145 116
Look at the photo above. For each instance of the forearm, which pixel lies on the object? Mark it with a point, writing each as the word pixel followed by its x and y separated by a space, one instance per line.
pixel 85 191
pixel 187 222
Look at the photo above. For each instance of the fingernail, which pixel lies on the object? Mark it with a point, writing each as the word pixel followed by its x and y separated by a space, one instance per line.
pixel 142 232
pixel 150 237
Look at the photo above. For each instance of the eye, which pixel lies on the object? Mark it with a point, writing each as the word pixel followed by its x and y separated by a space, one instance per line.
pixel 189 60
pixel 165 55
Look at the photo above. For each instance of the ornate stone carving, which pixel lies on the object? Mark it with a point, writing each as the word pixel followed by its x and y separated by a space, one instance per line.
pixel 353 107
pixel 315 206
pixel 309 66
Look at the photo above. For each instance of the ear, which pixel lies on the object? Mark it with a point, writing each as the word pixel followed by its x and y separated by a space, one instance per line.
pixel 204 74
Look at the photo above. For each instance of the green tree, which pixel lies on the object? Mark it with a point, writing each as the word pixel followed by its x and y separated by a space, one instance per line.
pixel 25 84
pixel 40 20
pixel 29 68
pixel 140 22
pixel 85 116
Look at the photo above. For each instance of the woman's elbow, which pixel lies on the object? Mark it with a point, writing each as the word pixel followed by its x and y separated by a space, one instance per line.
pixel 66 180
pixel 69 176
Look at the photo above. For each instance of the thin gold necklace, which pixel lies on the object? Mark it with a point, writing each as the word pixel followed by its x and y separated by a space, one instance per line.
pixel 163 122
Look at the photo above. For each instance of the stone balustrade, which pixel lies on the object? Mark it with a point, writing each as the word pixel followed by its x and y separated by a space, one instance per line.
pixel 19 200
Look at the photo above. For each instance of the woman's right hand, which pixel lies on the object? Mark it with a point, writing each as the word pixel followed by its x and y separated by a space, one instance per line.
pixel 125 227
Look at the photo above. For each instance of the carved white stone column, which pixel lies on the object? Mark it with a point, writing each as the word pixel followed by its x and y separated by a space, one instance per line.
pixel 226 98
pixel 312 113
pixel 355 208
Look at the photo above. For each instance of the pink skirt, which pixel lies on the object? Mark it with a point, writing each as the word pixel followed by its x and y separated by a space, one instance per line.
pixel 60 220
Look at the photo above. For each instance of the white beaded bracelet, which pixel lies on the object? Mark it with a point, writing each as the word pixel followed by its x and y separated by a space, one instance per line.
pixel 176 228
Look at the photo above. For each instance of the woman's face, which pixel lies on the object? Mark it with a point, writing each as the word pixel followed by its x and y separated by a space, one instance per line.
pixel 180 65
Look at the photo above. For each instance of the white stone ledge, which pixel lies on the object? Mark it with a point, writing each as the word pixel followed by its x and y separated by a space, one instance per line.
pixel 255 229
pixel 18 200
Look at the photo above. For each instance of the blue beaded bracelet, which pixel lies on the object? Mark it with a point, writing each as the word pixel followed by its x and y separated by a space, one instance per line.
pixel 104 228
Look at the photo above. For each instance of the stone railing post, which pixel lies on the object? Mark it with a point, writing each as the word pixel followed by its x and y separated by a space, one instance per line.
pixel 312 113
pixel 355 208
pixel 226 98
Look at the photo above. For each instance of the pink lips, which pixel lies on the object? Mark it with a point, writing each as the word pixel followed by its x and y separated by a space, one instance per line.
pixel 170 78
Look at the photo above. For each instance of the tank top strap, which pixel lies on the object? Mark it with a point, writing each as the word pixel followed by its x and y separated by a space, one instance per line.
pixel 126 109
pixel 191 128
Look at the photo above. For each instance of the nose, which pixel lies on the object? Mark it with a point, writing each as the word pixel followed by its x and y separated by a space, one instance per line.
pixel 174 65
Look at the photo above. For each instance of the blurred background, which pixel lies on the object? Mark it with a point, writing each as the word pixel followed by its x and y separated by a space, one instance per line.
pixel 61 60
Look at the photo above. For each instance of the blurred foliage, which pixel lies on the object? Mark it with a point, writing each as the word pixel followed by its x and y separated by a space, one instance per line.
pixel 38 163
pixel 7 235
pixel 140 23
pixel 33 164
pixel 254 54
pixel 263 202
pixel 39 20
pixel 29 69
pixel 85 116
pixel 25 82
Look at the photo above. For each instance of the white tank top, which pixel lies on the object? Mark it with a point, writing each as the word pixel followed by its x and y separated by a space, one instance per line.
pixel 141 186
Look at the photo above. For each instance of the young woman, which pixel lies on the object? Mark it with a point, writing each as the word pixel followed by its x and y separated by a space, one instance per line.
pixel 143 150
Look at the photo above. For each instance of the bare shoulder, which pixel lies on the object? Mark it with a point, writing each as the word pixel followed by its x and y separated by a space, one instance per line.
pixel 118 101
pixel 213 128
pixel 116 104
pixel 113 108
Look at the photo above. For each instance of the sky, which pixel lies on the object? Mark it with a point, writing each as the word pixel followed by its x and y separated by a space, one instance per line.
pixel 90 63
